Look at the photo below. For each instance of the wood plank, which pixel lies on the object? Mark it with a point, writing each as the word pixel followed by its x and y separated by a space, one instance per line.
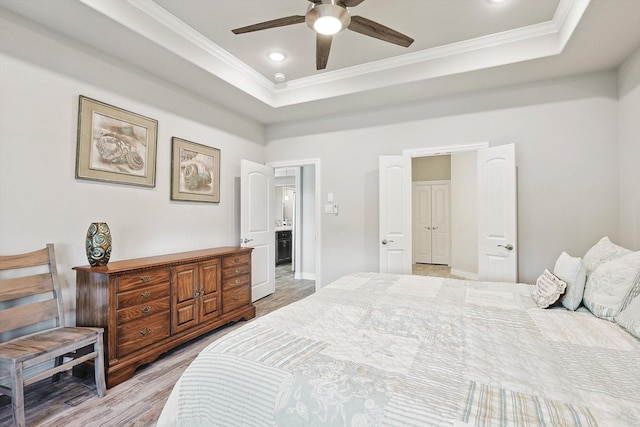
pixel 20 287
pixel 25 315
pixel 11 262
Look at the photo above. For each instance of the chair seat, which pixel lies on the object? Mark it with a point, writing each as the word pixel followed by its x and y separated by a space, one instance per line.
pixel 50 341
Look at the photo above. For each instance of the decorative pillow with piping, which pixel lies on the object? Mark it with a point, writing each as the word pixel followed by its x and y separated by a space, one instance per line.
pixel 629 318
pixel 601 252
pixel 573 271
pixel 548 289
pixel 609 285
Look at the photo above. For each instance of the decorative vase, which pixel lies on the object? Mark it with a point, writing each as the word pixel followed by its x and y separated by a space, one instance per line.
pixel 98 244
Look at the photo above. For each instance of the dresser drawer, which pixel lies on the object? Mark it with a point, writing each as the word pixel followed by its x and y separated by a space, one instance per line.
pixel 143 310
pixel 235 281
pixel 237 270
pixel 232 261
pixel 143 295
pixel 235 297
pixel 143 278
pixel 140 333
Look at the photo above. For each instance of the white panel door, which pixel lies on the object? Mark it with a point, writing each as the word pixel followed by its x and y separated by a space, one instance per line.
pixel 257 225
pixel 395 214
pixel 497 210
pixel 440 224
pixel 421 202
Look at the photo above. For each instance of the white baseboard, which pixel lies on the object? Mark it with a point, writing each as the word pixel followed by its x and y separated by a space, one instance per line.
pixel 465 274
pixel 304 276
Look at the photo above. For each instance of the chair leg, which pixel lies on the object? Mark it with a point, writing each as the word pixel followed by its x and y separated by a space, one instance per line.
pixel 56 377
pixel 98 367
pixel 17 395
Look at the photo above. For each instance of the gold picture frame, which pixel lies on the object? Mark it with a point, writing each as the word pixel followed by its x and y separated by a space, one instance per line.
pixel 115 145
pixel 195 171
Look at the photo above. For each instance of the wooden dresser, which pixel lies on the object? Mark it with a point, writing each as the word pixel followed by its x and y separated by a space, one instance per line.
pixel 148 306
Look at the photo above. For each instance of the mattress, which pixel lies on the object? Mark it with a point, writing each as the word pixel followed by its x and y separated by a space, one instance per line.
pixel 375 349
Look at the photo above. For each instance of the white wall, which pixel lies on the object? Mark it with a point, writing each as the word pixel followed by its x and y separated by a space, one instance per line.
pixel 629 158
pixel 41 201
pixel 464 214
pixel 565 133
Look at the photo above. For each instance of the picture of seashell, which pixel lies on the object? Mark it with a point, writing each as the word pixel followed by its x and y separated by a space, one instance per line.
pixel 196 175
pixel 111 149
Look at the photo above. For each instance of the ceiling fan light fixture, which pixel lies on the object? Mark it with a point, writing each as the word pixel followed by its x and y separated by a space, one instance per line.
pixel 328 25
pixel 327 18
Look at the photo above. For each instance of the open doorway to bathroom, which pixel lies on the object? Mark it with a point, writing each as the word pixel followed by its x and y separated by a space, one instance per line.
pixel 296 226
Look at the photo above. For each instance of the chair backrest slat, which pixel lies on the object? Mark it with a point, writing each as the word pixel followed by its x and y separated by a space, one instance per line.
pixel 25 315
pixel 11 262
pixel 25 286
pixel 31 296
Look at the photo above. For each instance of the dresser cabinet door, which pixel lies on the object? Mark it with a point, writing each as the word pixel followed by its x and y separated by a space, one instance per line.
pixel 210 277
pixel 185 296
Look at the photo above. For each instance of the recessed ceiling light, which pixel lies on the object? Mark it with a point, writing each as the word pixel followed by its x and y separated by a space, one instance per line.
pixel 279 77
pixel 277 56
pixel 496 1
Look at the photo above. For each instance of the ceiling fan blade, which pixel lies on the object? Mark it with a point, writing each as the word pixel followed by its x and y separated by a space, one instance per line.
pixel 373 29
pixel 280 22
pixel 352 3
pixel 323 46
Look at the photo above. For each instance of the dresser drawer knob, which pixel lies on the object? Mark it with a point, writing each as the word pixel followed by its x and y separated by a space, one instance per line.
pixel 145 279
pixel 237 270
pixel 145 332
pixel 146 310
pixel 236 297
pixel 237 281
pixel 145 294
pixel 237 260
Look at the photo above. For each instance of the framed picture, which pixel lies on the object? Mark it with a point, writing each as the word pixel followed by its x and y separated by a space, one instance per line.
pixel 115 145
pixel 195 172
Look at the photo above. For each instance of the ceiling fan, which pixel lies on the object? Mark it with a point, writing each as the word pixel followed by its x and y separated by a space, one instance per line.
pixel 329 17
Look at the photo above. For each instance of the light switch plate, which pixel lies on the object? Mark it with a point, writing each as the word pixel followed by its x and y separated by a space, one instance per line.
pixel 328 209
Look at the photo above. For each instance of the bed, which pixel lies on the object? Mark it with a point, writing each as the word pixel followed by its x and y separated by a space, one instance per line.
pixel 376 349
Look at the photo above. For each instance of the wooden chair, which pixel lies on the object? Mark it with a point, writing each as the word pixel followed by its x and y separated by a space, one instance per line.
pixel 30 299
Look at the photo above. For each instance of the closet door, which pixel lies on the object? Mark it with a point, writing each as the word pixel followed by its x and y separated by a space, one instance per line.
pixel 431 223
pixel 422 223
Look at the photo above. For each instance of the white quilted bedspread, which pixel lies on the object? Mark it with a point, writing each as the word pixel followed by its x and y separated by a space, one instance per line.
pixel 385 350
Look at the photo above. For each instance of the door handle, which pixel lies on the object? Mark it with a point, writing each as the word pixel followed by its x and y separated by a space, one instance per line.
pixel 385 241
pixel 245 240
pixel 508 246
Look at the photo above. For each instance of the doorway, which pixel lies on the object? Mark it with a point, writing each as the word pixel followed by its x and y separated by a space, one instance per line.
pixel 444 183
pixel 494 216
pixel 299 180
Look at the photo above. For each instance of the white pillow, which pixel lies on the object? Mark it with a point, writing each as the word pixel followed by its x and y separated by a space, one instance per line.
pixel 548 289
pixel 608 285
pixel 573 271
pixel 602 251
pixel 629 318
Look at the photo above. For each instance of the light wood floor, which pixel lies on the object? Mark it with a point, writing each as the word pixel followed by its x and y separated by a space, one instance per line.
pixel 138 401
pixel 433 270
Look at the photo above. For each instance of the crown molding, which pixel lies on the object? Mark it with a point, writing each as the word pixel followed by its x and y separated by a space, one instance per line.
pixel 148 19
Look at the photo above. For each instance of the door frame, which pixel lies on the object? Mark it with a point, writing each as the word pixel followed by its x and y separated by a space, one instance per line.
pixel 441 150
pixel 318 202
